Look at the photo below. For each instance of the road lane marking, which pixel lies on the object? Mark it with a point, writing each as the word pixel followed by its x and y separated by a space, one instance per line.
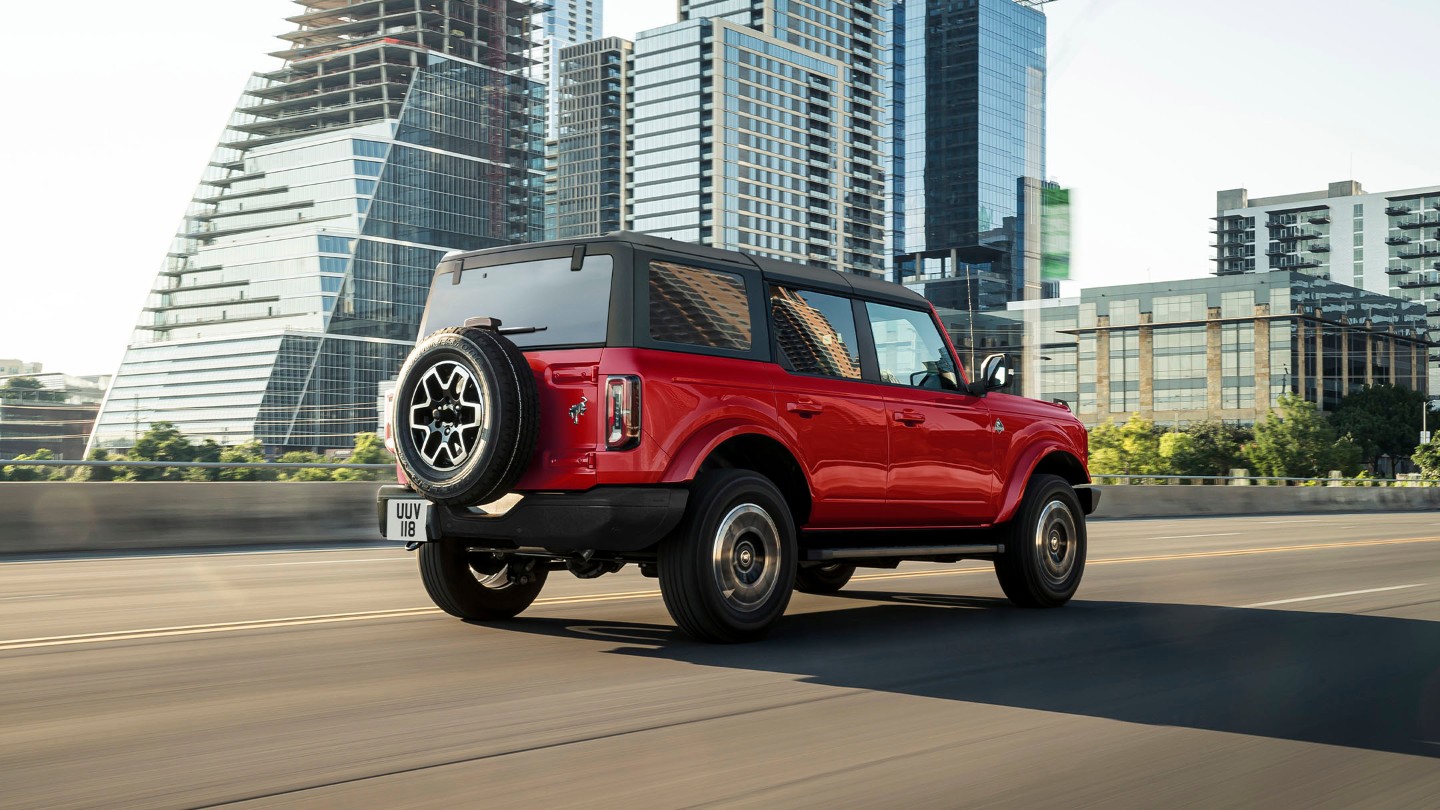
pixel 1192 536
pixel 32 596
pixel 1332 595
pixel 300 621
pixel 330 562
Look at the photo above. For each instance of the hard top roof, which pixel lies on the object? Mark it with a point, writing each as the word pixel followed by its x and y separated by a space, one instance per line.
pixel 773 269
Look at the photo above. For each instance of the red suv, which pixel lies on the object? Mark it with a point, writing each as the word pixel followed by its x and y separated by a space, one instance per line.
pixel 735 425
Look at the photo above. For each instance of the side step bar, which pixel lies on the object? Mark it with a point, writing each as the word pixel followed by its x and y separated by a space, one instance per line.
pixel 904 552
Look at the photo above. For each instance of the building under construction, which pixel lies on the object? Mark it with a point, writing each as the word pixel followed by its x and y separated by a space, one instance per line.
pixel 395 131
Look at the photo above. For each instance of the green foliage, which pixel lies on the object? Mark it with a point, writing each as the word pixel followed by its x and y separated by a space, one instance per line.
pixel 97 473
pixel 13 472
pixel 305 474
pixel 207 451
pixel 1214 449
pixel 369 449
pixel 250 452
pixel 162 442
pixel 1427 458
pixel 27 389
pixel 1129 449
pixel 1295 441
pixel 1384 420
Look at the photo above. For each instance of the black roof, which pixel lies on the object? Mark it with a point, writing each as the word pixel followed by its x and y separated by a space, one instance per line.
pixel 772 269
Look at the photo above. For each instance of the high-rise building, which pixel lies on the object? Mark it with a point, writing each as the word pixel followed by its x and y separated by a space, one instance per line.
pixel 589 173
pixel 972 122
pixel 764 125
pixel 560 24
pixel 396 131
pixel 1386 242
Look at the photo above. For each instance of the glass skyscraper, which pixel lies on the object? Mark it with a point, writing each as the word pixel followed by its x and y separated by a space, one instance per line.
pixel 397 130
pixel 972 121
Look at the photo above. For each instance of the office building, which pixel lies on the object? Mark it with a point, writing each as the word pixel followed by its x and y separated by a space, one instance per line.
pixel 589 172
pixel 10 367
pixel 396 130
pixel 57 415
pixel 560 24
pixel 971 119
pixel 765 126
pixel 1212 348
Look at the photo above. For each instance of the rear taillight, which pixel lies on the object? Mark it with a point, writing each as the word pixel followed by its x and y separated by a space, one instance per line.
pixel 622 412
pixel 390 422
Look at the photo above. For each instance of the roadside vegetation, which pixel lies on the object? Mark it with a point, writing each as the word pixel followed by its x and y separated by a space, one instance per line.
pixel 1371 434
pixel 164 442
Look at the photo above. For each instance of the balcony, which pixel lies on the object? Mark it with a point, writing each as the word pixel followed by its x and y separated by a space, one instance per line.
pixel 1319 247
pixel 1419 253
pixel 1298 264
pixel 1418 222
pixel 1291 235
pixel 1277 250
pixel 1423 280
pixel 1397 210
pixel 1318 219
pixel 1397 240
pixel 1397 270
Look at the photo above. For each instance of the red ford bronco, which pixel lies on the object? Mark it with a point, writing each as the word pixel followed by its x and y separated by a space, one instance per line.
pixel 735 425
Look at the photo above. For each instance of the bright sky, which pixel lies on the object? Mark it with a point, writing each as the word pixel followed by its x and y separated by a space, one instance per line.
pixel 1153 106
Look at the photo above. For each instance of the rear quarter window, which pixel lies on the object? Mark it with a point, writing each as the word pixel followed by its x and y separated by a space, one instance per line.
pixel 696 306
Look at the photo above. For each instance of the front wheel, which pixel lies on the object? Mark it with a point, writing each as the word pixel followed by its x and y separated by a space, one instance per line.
pixel 1044 554
pixel 478 586
pixel 727 572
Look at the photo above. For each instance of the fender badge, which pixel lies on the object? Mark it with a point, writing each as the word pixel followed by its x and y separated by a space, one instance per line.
pixel 999 426
pixel 579 408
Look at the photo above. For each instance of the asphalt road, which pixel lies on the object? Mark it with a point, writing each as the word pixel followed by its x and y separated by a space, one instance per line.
pixel 1226 662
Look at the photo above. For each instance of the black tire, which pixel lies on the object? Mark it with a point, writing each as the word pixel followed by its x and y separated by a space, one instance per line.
pixel 758 548
pixel 1044 556
pixel 456 587
pixel 823 578
pixel 447 459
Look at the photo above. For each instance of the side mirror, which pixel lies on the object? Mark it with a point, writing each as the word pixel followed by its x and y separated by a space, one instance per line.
pixel 995 374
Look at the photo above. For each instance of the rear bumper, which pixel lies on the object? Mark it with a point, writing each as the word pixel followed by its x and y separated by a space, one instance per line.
pixel 599 519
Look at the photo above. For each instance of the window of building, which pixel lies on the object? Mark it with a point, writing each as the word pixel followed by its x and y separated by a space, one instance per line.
pixel 1172 308
pixel 815 333
pixel 699 307
pixel 909 348
pixel 1124 313
pixel 1238 304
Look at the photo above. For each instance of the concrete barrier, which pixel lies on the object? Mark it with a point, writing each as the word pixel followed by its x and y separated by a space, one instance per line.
pixel 47 518
pixel 1139 501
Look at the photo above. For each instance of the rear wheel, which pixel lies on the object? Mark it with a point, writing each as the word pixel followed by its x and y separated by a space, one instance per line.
pixel 824 578
pixel 728 571
pixel 478 586
pixel 1045 545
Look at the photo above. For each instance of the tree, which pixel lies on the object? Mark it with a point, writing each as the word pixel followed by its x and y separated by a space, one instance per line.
pixel 248 453
pixel 162 442
pixel 26 472
pixel 1427 458
pixel 307 474
pixel 207 451
pixel 1214 449
pixel 369 449
pixel 1295 441
pixel 28 389
pixel 1129 449
pixel 1384 420
pixel 96 473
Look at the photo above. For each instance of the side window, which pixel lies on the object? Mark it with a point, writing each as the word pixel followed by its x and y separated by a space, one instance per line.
pixel 815 333
pixel 910 349
pixel 698 307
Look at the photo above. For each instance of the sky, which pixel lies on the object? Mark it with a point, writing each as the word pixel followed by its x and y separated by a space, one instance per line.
pixel 1153 106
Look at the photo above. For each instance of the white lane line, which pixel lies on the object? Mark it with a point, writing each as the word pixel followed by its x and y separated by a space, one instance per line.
pixel 33 596
pixel 142 556
pixel 1192 536
pixel 330 562
pixel 1332 595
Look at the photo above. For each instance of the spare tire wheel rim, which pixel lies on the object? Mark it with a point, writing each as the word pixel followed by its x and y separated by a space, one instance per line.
pixel 746 557
pixel 1056 542
pixel 448 415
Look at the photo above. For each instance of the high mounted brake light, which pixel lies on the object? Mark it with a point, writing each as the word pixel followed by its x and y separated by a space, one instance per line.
pixel 622 412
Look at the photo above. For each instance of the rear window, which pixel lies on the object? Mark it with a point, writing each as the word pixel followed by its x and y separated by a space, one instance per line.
pixel 572 305
pixel 698 307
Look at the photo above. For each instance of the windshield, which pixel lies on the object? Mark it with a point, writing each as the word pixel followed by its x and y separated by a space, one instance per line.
pixel 573 306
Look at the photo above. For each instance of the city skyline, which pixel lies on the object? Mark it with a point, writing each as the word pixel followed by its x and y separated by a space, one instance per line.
pixel 1143 125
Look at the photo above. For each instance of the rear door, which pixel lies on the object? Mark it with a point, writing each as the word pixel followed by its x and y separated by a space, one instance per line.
pixel 837 422
pixel 941 461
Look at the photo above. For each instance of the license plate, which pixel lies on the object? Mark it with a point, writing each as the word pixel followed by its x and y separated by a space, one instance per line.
pixel 406 518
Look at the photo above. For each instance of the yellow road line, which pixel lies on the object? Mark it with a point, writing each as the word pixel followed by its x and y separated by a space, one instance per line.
pixel 333 618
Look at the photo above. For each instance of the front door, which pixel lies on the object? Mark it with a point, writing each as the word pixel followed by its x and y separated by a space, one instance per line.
pixel 941 467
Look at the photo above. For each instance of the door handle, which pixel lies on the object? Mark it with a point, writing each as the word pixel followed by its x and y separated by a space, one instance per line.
pixel 804 407
pixel 909 417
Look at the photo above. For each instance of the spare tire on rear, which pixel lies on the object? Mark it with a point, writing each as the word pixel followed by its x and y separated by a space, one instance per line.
pixel 466 416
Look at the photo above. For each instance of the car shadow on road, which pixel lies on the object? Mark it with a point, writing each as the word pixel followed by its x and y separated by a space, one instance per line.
pixel 1340 679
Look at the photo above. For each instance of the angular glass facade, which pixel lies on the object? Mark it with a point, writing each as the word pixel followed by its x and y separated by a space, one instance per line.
pixel 589 179
pixel 972 125
pixel 300 273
